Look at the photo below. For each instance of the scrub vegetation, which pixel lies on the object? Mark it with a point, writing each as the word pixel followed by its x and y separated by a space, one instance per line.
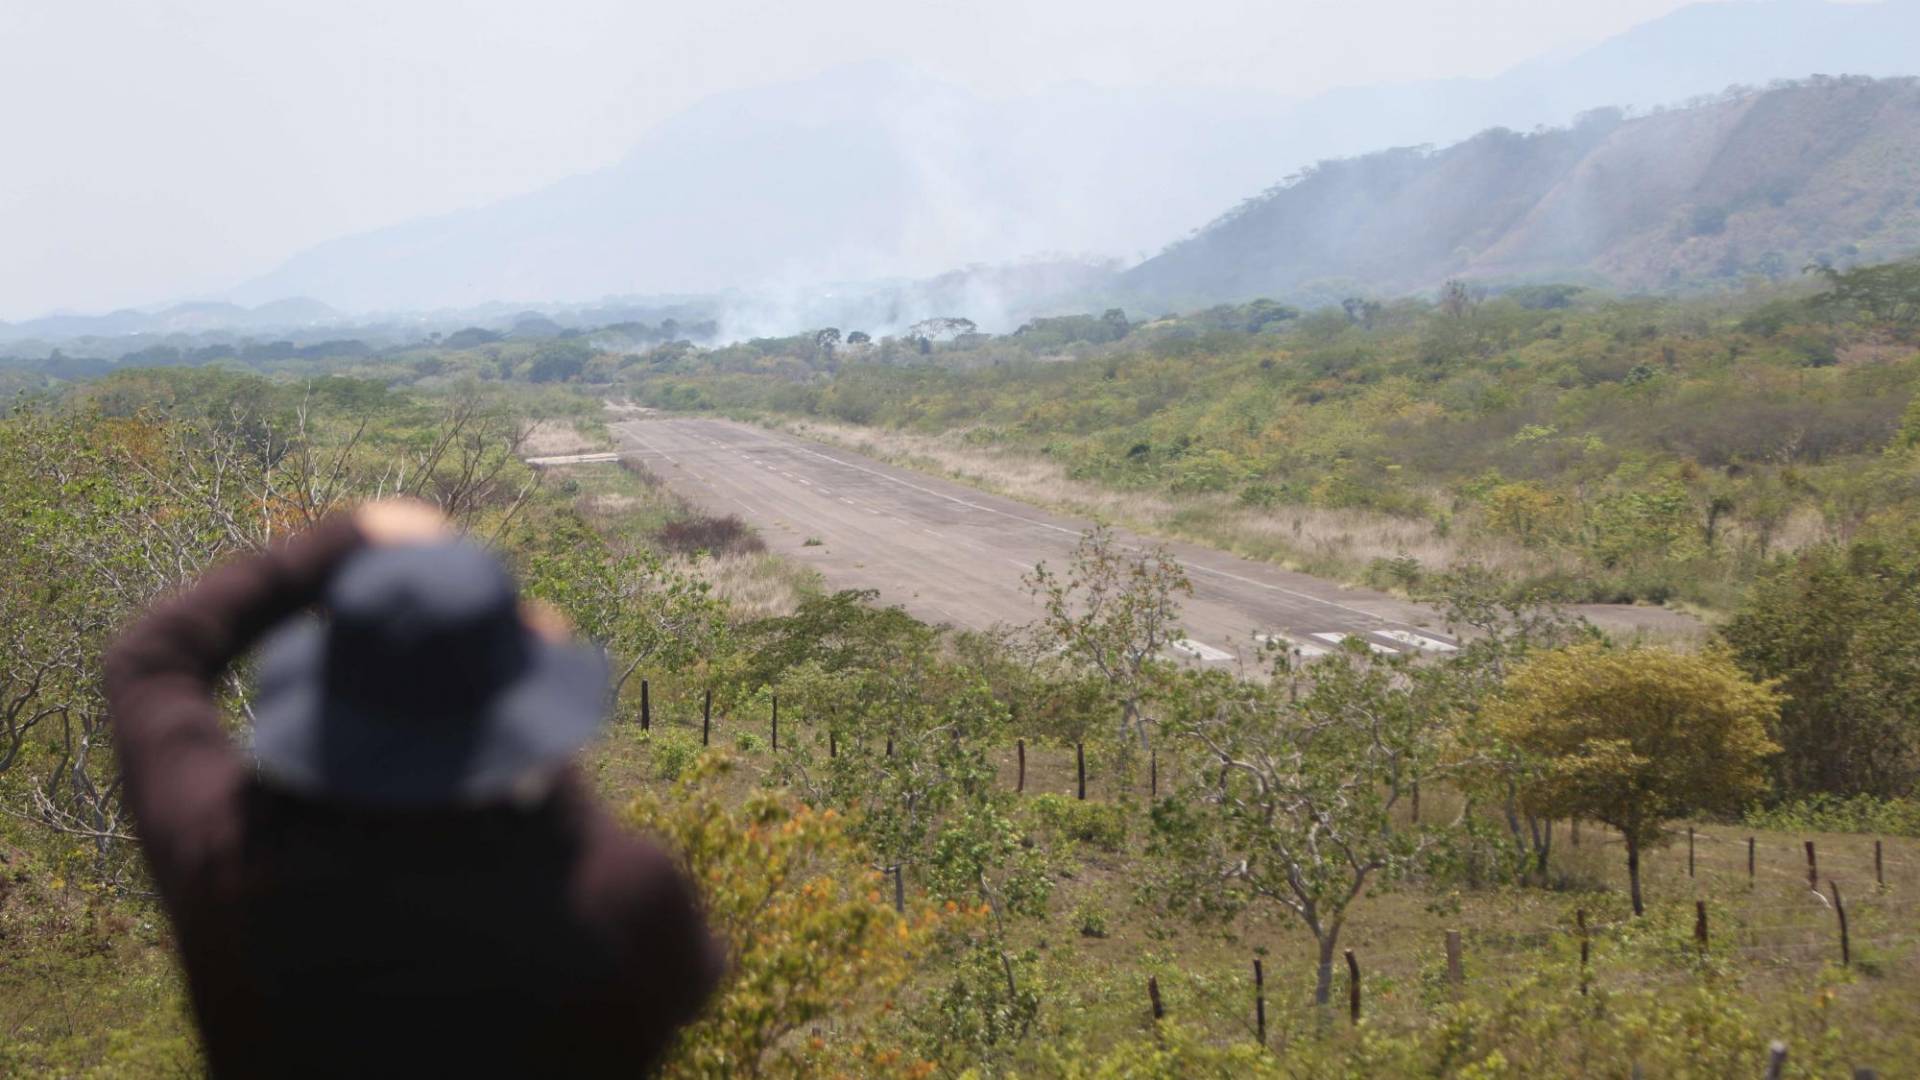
pixel 1054 849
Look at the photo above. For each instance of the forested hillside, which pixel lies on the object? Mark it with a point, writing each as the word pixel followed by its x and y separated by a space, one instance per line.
pixel 1757 183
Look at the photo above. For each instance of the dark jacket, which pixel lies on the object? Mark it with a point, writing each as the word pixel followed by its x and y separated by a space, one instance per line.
pixel 323 939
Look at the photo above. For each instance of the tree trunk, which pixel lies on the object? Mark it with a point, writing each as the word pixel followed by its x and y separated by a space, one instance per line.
pixel 1633 873
pixel 1323 980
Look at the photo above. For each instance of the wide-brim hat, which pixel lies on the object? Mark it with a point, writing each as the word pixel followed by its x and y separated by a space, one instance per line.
pixel 421 685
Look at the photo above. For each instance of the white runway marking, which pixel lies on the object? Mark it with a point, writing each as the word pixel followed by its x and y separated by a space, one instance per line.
pixel 1418 641
pixel 1201 650
pixel 573 459
pixel 1306 649
pixel 1339 638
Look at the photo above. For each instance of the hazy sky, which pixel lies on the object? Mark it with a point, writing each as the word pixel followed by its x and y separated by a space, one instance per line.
pixel 158 149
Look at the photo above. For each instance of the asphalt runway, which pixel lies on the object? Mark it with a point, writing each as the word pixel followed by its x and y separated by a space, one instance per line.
pixel 953 554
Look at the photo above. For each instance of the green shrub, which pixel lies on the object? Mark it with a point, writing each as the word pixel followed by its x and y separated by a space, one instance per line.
pixel 1091 920
pixel 1840 814
pixel 1103 825
pixel 672 752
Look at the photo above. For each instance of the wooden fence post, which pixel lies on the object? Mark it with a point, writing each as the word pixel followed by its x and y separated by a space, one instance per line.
pixel 1153 775
pixel 1813 872
pixel 1153 996
pixel 1689 851
pixel 1776 1059
pixel 899 891
pixel 1353 988
pixel 889 745
pixel 1580 920
pixel 1840 909
pixel 1879 867
pixel 1259 1001
pixel 1700 925
pixel 776 721
pixel 1080 764
pixel 1456 973
pixel 646 707
pixel 1749 860
pixel 706 718
pixel 833 744
pixel 1020 784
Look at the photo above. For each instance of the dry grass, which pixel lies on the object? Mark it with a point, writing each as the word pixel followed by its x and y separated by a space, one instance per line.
pixel 550 438
pixel 755 585
pixel 1333 543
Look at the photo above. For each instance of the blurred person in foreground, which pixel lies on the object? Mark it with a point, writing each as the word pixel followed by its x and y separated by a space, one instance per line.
pixel 407 877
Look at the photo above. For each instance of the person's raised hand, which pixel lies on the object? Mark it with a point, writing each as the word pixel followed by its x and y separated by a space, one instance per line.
pixel 547 622
pixel 394 522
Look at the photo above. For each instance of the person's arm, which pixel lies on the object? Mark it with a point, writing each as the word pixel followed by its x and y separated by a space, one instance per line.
pixel 180 769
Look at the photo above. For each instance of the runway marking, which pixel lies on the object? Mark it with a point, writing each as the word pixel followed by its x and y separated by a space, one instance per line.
pixel 1418 641
pixel 1306 649
pixel 1340 638
pixel 573 459
pixel 1200 650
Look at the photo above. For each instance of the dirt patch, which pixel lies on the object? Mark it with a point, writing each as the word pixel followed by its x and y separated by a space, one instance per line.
pixel 552 438
pixel 713 535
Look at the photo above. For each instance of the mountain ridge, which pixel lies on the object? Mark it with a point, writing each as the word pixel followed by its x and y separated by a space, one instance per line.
pixel 746 190
pixel 1760 182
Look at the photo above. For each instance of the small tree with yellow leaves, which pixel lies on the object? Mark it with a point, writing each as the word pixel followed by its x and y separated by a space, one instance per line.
pixel 1636 738
pixel 809 930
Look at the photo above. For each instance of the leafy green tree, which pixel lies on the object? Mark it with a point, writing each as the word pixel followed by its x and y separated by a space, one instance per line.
pixel 1887 294
pixel 903 746
pixel 1837 626
pixel 646 614
pixel 1288 792
pixel 1496 631
pixel 1115 614
pixel 1637 737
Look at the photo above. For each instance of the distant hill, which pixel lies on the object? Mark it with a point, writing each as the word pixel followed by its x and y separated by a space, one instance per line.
pixel 875 171
pixel 1756 183
pixel 189 318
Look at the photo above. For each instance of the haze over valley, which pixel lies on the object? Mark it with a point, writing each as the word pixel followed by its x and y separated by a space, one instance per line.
pixel 1087 539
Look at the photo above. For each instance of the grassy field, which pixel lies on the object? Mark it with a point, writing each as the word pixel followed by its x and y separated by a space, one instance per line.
pixel 1771 941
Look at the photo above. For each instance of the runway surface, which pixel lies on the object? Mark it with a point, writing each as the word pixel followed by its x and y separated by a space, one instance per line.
pixel 951 553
